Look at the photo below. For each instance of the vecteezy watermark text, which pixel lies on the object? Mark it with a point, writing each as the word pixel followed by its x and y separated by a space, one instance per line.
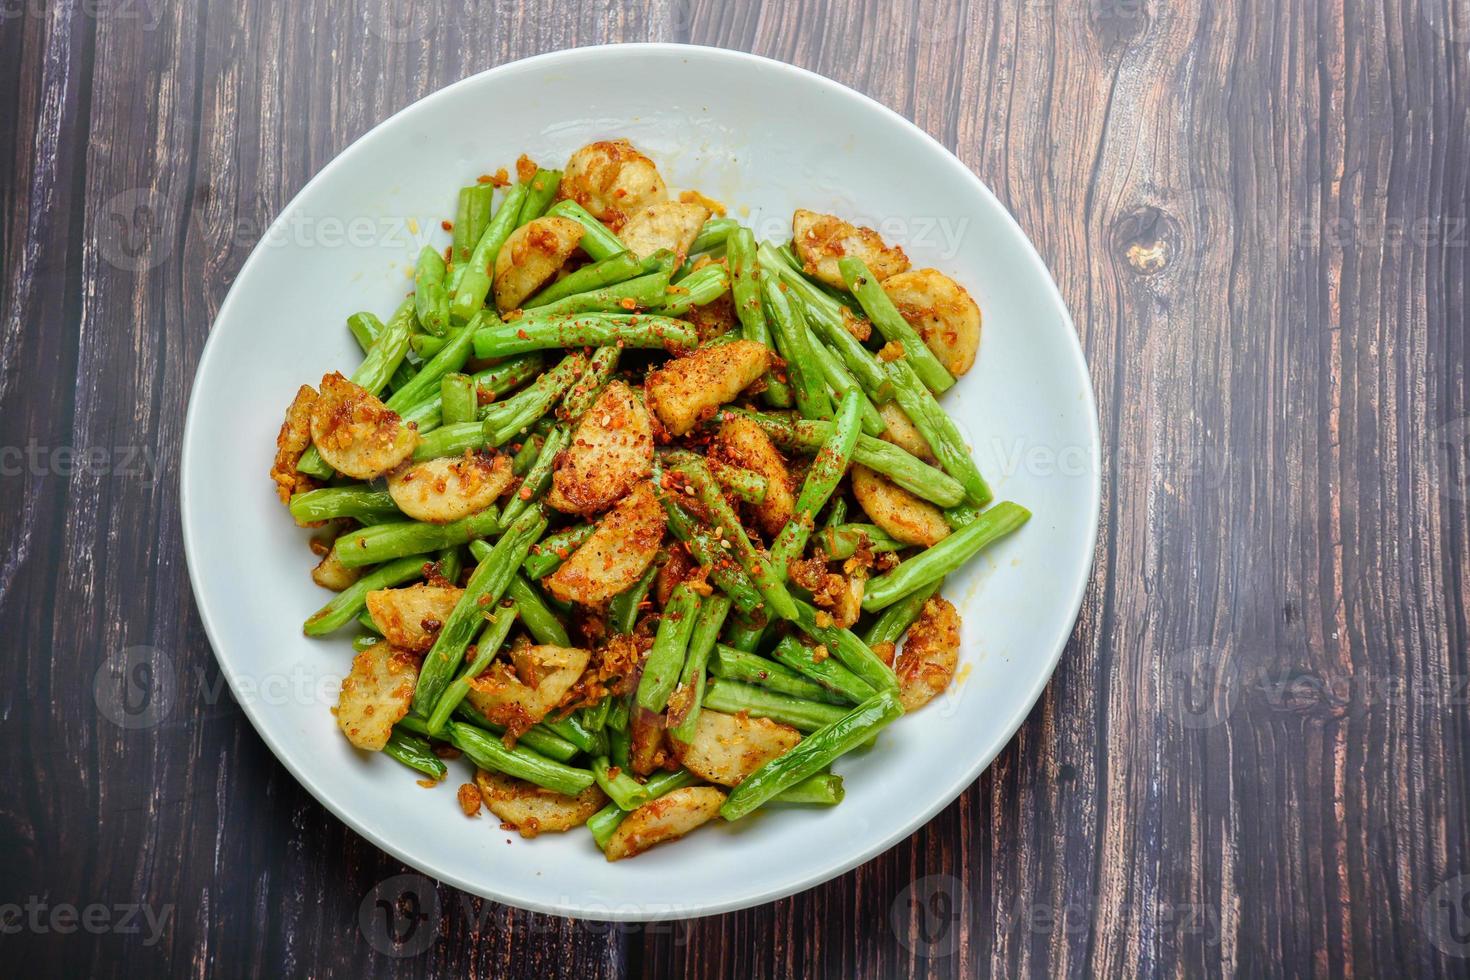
pixel 35 459
pixel 40 917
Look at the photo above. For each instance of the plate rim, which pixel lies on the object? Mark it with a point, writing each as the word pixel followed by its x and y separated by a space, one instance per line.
pixel 919 818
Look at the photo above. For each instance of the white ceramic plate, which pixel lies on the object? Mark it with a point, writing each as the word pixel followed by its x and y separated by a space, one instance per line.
pixel 756 134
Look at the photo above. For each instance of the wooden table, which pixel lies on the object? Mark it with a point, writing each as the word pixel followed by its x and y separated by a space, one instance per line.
pixel 1253 756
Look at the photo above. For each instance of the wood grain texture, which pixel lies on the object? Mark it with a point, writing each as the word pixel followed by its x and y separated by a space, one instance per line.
pixel 1253 758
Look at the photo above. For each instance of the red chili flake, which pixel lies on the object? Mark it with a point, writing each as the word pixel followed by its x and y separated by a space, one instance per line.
pixel 447 225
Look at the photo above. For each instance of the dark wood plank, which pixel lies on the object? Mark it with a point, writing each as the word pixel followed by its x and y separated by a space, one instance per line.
pixel 1253 758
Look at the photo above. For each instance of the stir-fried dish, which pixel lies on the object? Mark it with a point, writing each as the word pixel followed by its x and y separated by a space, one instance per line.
pixel 643 519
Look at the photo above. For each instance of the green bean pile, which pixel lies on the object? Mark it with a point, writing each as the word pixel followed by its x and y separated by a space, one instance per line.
pixel 592 498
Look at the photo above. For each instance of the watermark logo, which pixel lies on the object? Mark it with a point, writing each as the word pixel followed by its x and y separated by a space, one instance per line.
pixel 1446 917
pixel 926 916
pixel 401 21
pixel 133 232
pixel 136 688
pixel 1200 686
pixel 400 916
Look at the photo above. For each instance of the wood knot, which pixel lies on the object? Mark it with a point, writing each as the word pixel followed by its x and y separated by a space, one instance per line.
pixel 1148 239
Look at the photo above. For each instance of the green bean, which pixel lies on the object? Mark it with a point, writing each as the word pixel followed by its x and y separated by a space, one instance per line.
pixel 841 381
pixel 891 324
pixel 749 668
pixel 414 751
pixel 826 672
pixel 540 192
pixel 373 375
pixel 909 472
pixel 600 368
pixel 490 753
pixel 712 613
pixel 526 454
pixel 430 297
pixel 537 738
pixel 457 395
pixel 388 351
pixel 572 729
pixel 533 332
pixel 626 792
pixel 486 585
pixel 366 621
pixel 939 430
pixel 697 289
pixel 844 540
pixel 748 485
pixel 620 746
pixel 492 638
pixel 541 622
pixel 447 563
pixel 812 754
pixel 670 647
pixel 507 376
pixel 961 515
pixel 538 477
pixel 724 572
pixel 595 717
pixel 733 698
pixel 716 231
pixel 505 420
pixel 757 564
pixel 837 512
pixel 616 268
pixel 473 285
pixel 605 821
pixel 549 553
pixel 426 345
pixel 826 471
pixel 894 621
pixel 620 712
pixel 473 214
pixel 802 368
pixel 846 646
pixel 451 358
pixel 451 440
pixel 597 240
pixel 824 314
pixel 345 606
pixel 641 293
pixel 933 564
pixel 822 789
pixel 365 329
pixel 746 291
pixel 382 542
pixel 745 633
pixel 357 500
pixel 365 641
pixel 623 609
